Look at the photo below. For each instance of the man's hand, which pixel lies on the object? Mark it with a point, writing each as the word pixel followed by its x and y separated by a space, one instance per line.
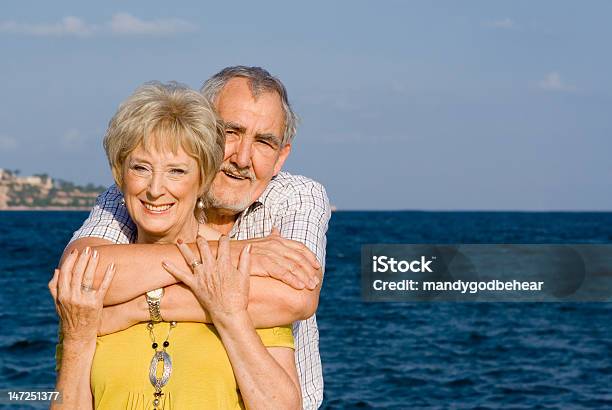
pixel 289 261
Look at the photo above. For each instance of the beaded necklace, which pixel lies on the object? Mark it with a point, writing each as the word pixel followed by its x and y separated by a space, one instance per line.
pixel 161 356
pixel 164 357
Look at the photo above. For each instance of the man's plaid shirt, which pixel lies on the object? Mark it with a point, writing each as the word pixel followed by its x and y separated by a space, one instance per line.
pixel 296 205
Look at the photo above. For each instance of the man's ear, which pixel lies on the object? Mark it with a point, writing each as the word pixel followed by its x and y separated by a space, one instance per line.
pixel 282 156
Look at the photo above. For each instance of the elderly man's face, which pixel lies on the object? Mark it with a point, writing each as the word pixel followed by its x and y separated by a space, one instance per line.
pixel 253 153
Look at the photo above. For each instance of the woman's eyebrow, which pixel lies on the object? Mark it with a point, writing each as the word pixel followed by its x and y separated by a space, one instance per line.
pixel 171 164
pixel 138 159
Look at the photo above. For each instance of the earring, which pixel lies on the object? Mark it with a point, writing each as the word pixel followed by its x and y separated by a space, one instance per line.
pixel 201 213
pixel 122 202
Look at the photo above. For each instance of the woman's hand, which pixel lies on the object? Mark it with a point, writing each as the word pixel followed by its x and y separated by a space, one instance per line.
pixel 78 304
pixel 79 307
pixel 220 288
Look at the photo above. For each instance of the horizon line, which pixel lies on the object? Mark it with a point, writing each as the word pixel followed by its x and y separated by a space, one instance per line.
pixel 57 209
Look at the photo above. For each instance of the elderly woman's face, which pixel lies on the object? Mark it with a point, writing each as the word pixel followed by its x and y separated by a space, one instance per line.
pixel 160 191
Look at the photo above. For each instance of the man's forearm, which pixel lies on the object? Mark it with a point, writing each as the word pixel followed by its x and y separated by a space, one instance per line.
pixel 271 303
pixel 138 267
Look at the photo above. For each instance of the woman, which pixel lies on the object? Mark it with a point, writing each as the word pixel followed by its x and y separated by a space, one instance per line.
pixel 164 146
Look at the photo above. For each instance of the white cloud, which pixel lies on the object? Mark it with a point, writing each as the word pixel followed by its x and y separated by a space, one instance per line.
pixel 7 143
pixel 68 26
pixel 123 24
pixel 506 23
pixel 553 82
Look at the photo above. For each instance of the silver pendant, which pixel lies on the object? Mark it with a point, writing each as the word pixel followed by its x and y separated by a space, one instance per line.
pixel 158 383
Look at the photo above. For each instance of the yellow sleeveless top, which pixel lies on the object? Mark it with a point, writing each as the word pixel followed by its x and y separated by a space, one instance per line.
pixel 202 375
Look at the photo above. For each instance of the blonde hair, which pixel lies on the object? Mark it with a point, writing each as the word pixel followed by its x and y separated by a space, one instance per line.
pixel 169 116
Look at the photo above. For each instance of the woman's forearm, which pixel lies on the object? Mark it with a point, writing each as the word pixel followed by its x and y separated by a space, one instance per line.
pixel 73 378
pixel 264 383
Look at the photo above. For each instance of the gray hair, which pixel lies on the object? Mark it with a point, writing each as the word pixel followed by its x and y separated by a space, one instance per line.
pixel 260 81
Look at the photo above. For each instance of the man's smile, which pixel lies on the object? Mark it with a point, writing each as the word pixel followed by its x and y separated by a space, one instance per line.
pixel 234 176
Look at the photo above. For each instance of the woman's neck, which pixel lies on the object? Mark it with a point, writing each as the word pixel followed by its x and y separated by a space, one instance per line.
pixel 187 232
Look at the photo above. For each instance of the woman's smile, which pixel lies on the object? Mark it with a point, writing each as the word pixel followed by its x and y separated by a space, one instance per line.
pixel 156 209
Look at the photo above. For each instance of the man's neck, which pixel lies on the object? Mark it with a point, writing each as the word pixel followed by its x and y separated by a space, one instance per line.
pixel 221 220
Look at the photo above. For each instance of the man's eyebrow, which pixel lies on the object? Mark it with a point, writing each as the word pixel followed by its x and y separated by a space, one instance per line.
pixel 234 126
pixel 271 138
pixel 241 129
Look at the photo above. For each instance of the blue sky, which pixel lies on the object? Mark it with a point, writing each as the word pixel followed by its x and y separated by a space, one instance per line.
pixel 404 104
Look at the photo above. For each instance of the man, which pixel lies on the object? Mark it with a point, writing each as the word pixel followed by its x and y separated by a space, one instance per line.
pixel 249 197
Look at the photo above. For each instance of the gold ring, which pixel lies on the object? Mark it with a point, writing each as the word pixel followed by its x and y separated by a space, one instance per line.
pixel 195 264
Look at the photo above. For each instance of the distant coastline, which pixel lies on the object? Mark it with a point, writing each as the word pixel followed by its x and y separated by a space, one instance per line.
pixel 43 193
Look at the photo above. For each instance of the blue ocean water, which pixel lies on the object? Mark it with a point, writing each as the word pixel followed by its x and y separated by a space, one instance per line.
pixel 375 355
